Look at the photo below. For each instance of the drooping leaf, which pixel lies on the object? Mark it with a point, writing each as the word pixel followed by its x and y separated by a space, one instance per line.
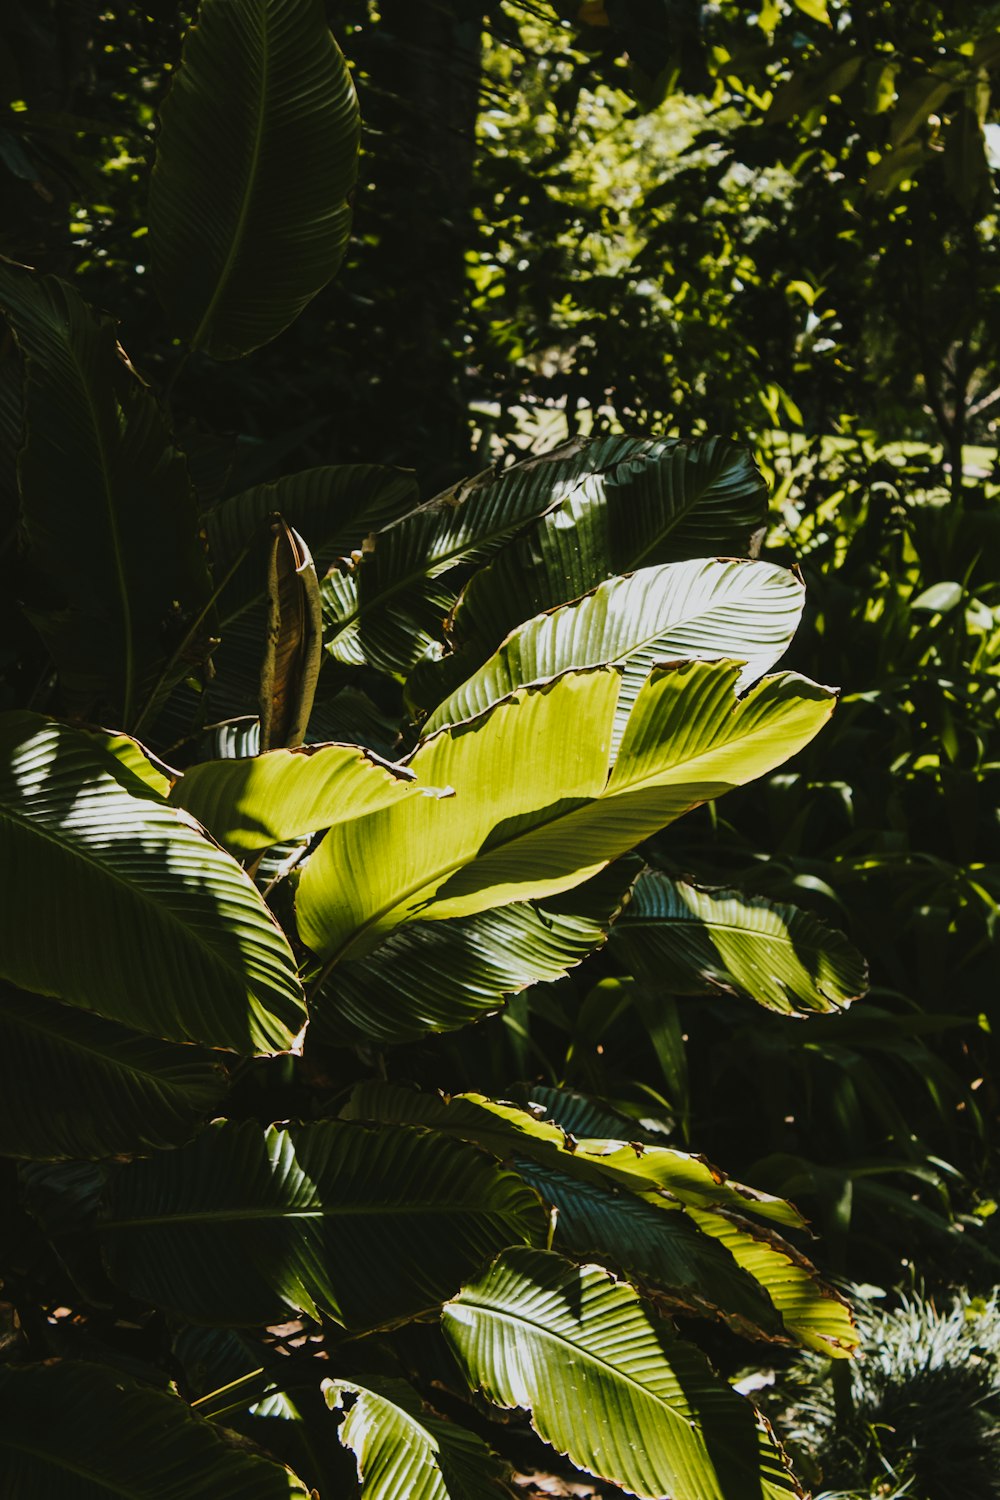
pixel 709 610
pixel 654 1172
pixel 78 1431
pixel 254 802
pixel 364 1225
pixel 608 1384
pixel 293 648
pixel 663 1252
pixel 812 1312
pixel 391 606
pixel 687 941
pixel 187 949
pixel 73 1085
pixel 245 234
pixel 115 578
pixel 402 1449
pixel 535 810
pixel 437 976
pixel 667 502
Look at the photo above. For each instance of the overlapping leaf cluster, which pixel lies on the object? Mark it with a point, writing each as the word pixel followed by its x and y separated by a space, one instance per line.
pixel 577 650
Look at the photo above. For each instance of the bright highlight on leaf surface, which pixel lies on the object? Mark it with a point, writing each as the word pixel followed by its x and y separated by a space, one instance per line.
pixel 188 949
pixel 537 807
pixel 608 1384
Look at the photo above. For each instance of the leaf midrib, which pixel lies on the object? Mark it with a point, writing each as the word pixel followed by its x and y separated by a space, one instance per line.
pixel 324 1211
pixel 236 242
pixel 542 1331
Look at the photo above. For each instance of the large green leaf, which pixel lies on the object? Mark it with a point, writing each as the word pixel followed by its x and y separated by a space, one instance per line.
pixel 388 607
pixel 252 803
pixel 653 1172
pixel 404 1452
pixel 608 1384
pixel 664 1252
pixel 79 1431
pixel 365 1225
pixel 668 502
pixel 711 610
pixel 256 158
pixel 437 976
pixel 75 1085
pixel 687 941
pixel 536 810
pixel 811 1311
pixel 115 902
pixel 115 576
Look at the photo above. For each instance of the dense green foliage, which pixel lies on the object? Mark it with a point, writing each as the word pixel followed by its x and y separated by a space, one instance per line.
pixel 376 954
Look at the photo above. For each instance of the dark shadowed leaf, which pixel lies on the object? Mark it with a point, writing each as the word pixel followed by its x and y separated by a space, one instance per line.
pixel 364 1225
pixel 79 1431
pixel 245 232
pixel 107 1091
pixel 115 580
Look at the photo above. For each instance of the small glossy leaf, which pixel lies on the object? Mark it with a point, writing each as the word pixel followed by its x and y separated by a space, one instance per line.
pixel 252 802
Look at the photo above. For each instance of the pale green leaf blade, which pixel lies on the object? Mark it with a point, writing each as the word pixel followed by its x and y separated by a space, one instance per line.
pixel 246 233
pixel 812 1312
pixel 115 575
pixel 78 1431
pixel 366 1225
pixel 706 609
pixel 402 1449
pixel 249 804
pixel 188 951
pixel 535 811
pixel 688 941
pixel 665 1254
pixel 505 773
pixel 652 1172
pixel 608 1384
pixel 108 1091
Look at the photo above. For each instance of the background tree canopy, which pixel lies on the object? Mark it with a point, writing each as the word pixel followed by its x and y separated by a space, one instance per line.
pixel 301 728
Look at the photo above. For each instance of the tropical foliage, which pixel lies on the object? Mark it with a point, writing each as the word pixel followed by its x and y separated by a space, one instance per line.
pixel 411 899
